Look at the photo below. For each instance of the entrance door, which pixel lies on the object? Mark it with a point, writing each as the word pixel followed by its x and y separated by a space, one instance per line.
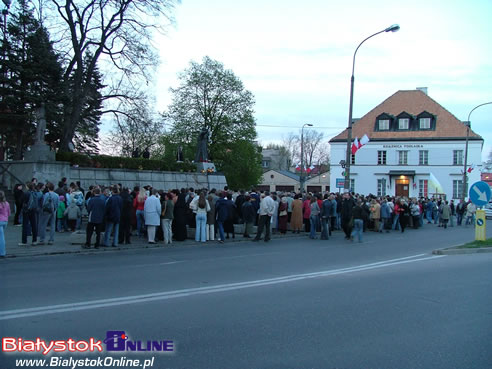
pixel 402 187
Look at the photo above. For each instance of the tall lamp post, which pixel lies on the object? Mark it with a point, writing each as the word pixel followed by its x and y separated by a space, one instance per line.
pixel 465 184
pixel 346 184
pixel 302 155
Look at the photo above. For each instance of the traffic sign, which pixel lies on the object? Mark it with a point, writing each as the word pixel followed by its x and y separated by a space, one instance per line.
pixel 340 182
pixel 480 193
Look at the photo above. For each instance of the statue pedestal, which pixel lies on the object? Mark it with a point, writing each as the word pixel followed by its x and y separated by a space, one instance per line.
pixel 39 152
pixel 205 167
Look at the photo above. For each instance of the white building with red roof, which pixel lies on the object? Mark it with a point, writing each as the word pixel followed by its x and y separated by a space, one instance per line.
pixel 416 149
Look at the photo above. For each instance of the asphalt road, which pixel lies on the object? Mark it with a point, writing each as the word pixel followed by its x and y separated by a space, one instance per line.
pixel 296 303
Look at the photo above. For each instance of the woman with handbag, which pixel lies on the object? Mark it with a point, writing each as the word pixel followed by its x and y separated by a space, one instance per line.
pixel 282 215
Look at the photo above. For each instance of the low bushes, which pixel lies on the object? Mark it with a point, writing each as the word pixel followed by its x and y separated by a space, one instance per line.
pixel 115 162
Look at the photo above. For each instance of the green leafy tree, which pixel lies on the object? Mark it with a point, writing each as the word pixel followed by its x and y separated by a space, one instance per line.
pixel 212 97
pixel 242 165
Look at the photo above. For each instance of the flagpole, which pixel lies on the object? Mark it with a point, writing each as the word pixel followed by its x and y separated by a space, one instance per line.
pixel 348 164
pixel 302 157
pixel 465 177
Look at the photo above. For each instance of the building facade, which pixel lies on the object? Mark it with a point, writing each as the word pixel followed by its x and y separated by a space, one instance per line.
pixel 285 181
pixel 274 159
pixel 416 149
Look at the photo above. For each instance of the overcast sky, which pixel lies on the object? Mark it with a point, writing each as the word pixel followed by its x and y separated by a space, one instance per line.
pixel 296 56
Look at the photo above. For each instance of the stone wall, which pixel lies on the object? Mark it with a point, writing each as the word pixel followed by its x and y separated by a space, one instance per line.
pixel 54 171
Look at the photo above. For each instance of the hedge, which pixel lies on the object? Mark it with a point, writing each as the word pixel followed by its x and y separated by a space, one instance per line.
pixel 115 162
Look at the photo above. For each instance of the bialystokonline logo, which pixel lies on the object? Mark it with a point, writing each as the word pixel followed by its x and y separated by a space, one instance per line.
pixel 114 341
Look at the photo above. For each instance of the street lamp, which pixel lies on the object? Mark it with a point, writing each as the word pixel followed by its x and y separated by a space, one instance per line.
pixel 302 155
pixel 346 184
pixel 465 185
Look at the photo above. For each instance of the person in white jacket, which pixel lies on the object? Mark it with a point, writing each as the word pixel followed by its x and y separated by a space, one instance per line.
pixel 152 215
pixel 267 207
pixel 200 207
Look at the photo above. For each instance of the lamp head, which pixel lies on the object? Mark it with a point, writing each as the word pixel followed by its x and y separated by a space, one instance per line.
pixel 392 28
pixel 309 124
pixel 7 3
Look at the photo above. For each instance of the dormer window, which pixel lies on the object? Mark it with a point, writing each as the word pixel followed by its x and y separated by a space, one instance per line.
pixel 424 123
pixel 383 124
pixel 403 123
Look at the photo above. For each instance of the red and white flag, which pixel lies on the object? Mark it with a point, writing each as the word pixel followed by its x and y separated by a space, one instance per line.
pixel 356 145
pixel 363 141
pixel 470 168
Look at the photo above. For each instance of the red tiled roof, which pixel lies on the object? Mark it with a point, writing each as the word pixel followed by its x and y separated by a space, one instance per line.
pixel 413 102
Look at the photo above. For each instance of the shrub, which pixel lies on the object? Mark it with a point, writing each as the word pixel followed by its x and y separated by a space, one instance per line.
pixel 116 162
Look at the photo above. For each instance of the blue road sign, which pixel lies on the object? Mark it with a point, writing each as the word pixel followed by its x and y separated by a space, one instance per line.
pixel 480 193
pixel 340 182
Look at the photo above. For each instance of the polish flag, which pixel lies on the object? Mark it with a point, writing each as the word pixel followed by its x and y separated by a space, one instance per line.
pixel 355 146
pixel 470 168
pixel 310 169
pixel 363 141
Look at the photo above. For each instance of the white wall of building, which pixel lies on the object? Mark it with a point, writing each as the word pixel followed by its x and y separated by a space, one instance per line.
pixel 366 170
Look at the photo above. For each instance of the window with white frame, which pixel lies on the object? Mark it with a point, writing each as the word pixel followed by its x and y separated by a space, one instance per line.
pixel 423 157
pixel 381 157
pixel 457 188
pixel 382 187
pixel 265 163
pixel 384 124
pixel 403 123
pixel 457 157
pixel 424 123
pixel 402 157
pixel 423 188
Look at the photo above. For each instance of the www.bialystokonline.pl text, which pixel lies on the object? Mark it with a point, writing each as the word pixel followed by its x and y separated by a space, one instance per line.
pixel 102 362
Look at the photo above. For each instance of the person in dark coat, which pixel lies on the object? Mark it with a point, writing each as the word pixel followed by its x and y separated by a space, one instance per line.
pixel 95 209
pixel 113 209
pixel 283 215
pixel 249 215
pixel 231 211
pixel 179 222
pixel 19 199
pixel 240 199
pixel 404 211
pixel 347 205
pixel 126 217
pixel 221 213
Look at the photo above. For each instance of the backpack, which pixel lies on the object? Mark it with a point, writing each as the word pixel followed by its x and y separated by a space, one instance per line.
pixel 48 205
pixel 31 203
pixel 79 199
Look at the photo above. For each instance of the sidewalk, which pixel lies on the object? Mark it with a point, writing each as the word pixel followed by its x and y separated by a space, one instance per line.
pixel 71 243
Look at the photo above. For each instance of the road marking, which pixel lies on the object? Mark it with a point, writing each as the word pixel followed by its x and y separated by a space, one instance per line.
pixel 95 304
pixel 201 260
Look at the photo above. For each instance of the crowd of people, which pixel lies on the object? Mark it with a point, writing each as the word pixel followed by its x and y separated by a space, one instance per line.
pixel 116 214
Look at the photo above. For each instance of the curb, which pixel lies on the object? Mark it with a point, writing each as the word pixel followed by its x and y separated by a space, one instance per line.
pixel 136 246
pixel 453 251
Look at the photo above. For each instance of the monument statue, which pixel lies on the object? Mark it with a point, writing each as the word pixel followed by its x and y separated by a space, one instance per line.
pixel 41 124
pixel 40 151
pixel 202 146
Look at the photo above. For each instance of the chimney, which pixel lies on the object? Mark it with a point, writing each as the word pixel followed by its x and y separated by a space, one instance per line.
pixel 423 89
